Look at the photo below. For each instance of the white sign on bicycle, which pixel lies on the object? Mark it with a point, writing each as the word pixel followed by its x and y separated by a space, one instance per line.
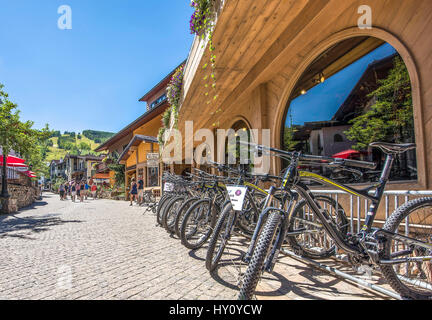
pixel 168 187
pixel 237 195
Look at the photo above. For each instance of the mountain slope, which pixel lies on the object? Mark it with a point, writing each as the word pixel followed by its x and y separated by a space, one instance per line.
pixel 70 142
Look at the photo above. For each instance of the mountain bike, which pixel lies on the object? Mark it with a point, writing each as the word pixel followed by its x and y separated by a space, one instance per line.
pixel 404 259
pixel 230 218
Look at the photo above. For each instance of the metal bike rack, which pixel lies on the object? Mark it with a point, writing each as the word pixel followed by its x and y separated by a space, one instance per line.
pixel 358 219
pixel 344 275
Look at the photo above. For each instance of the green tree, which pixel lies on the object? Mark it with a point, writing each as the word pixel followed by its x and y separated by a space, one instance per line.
pixel 390 119
pixel 20 136
pixel 84 146
pixel 119 170
pixel 289 142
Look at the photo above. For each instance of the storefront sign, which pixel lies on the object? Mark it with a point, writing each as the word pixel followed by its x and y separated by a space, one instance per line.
pixel 153 160
pixel 237 195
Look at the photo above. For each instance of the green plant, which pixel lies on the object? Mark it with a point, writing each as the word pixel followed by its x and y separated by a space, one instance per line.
pixel 174 90
pixel 202 25
pixel 166 117
pixel 32 144
pixel 161 134
pixel 390 119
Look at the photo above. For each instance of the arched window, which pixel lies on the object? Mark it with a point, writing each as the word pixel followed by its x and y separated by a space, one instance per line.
pixel 351 100
pixel 338 138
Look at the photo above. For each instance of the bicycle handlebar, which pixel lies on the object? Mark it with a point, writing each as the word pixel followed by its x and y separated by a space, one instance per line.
pixel 330 160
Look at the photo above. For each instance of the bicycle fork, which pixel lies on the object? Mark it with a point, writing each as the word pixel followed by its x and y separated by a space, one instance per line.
pixel 281 233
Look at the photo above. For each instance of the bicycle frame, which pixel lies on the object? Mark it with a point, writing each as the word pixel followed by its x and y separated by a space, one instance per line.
pixel 327 222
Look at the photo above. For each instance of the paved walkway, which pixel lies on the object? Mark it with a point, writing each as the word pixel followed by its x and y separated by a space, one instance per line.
pixel 107 250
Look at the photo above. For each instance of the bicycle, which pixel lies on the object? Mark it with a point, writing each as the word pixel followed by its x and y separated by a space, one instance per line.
pixel 383 247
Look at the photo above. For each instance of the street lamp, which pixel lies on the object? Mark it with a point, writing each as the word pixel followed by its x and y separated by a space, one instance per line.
pixel 4 193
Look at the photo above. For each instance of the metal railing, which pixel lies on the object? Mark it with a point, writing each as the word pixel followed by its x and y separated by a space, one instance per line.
pixel 358 207
pixel 356 210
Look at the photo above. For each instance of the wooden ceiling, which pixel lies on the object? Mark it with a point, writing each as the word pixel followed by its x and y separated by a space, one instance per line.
pixel 334 60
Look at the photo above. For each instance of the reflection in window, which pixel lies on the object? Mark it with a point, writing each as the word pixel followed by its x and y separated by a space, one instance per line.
pixel 368 101
pixel 158 101
pixel 153 177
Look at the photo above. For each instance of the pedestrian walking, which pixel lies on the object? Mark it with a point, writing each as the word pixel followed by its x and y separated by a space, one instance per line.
pixel 140 190
pixel 87 190
pixel 73 191
pixel 134 191
pixel 82 191
pixel 66 190
pixel 94 191
pixel 61 192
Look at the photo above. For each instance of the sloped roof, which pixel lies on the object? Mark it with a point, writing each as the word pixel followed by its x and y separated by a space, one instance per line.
pixel 136 140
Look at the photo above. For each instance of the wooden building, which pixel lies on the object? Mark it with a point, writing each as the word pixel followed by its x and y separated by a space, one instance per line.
pixel 134 144
pixel 269 51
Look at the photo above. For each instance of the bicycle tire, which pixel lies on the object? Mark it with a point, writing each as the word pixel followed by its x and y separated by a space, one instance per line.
pixel 168 217
pixel 255 266
pixel 181 213
pixel 212 260
pixel 302 247
pixel 160 208
pixel 186 237
pixel 393 224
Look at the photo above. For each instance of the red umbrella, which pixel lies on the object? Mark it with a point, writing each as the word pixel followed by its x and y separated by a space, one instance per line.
pixel 345 154
pixel 18 166
pixel 11 159
pixel 30 174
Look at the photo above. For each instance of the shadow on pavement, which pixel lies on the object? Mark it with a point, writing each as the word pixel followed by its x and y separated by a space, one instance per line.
pixel 16 227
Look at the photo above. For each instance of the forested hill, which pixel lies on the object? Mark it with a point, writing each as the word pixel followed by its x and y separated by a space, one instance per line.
pixel 75 143
pixel 97 136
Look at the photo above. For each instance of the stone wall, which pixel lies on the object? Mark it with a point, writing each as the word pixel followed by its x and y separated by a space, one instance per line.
pixel 21 196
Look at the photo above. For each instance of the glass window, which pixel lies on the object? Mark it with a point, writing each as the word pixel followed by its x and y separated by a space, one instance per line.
pixel 341 115
pixel 152 177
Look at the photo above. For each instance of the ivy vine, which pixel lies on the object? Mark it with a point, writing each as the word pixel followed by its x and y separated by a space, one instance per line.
pixel 202 25
pixel 174 90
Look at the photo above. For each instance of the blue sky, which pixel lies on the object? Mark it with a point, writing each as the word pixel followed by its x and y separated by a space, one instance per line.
pixel 90 77
pixel 322 101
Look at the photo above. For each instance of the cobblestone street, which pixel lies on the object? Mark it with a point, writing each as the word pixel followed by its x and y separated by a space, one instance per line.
pixel 107 250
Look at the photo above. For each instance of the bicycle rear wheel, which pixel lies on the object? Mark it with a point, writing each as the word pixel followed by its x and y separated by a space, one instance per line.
pixel 410 279
pixel 314 242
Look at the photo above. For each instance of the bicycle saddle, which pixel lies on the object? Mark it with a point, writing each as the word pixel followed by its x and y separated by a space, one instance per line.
pixel 392 148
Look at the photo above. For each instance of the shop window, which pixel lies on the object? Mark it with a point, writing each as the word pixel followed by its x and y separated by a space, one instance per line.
pixel 152 177
pixel 339 115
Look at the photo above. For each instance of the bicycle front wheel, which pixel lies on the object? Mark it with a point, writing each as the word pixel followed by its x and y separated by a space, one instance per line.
pixel 256 264
pixel 410 279
pixel 197 224
pixel 161 207
pixel 170 214
pixel 220 237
